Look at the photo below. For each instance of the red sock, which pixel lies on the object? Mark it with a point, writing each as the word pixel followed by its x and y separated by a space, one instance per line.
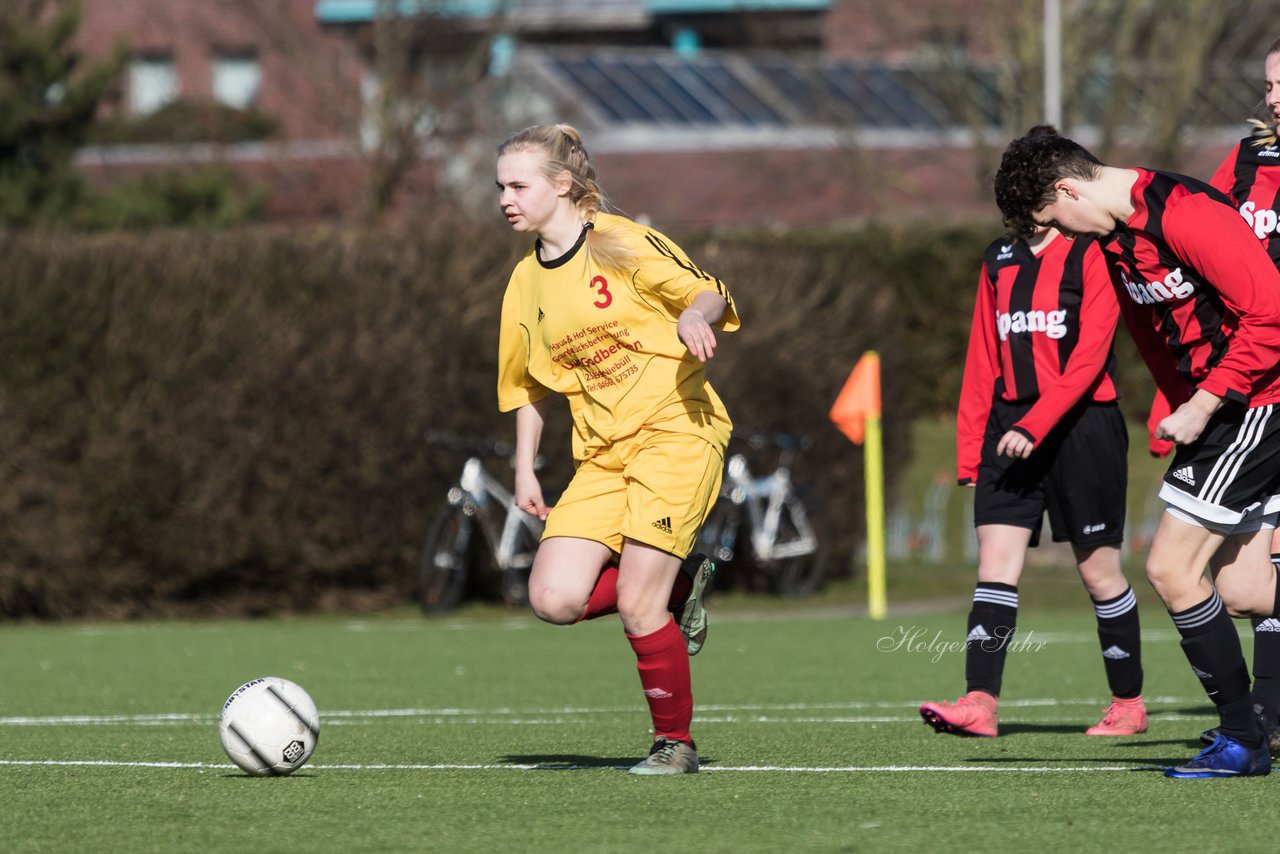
pixel 604 596
pixel 663 662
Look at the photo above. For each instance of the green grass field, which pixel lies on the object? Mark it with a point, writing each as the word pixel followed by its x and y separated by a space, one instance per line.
pixel 492 732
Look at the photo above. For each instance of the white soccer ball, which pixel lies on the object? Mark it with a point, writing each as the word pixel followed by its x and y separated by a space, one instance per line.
pixel 269 727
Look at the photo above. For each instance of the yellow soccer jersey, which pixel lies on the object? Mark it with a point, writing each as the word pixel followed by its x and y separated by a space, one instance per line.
pixel 606 339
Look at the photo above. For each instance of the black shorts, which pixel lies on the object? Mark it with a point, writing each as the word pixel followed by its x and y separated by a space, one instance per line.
pixel 1229 478
pixel 1079 473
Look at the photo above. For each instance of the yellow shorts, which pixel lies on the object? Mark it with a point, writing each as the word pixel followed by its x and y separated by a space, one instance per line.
pixel 655 487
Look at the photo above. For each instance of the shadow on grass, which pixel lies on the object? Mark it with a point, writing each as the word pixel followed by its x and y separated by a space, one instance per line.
pixel 569 761
pixel 574 762
pixel 1015 729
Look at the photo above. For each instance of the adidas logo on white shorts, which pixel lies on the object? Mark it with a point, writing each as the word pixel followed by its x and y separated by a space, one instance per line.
pixel 1186 475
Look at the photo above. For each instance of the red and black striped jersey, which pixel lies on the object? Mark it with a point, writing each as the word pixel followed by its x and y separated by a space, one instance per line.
pixel 1042 330
pixel 1197 291
pixel 1250 175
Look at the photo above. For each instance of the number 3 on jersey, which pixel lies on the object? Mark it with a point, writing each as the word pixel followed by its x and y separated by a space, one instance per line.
pixel 601 287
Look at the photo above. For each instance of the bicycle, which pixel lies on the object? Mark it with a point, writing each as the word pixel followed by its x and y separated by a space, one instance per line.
pixel 479 502
pixel 785 540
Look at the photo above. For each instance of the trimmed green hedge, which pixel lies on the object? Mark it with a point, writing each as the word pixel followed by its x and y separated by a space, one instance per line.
pixel 232 422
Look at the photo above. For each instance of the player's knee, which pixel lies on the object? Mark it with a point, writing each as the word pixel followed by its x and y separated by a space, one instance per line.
pixel 1001 562
pixel 552 606
pixel 635 607
pixel 1162 577
pixel 1103 589
pixel 1102 577
pixel 629 604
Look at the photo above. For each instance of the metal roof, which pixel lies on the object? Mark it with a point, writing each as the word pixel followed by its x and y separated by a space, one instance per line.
pixel 733 89
pixel 747 92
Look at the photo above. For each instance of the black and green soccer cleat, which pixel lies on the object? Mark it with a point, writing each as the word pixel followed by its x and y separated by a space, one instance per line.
pixel 692 615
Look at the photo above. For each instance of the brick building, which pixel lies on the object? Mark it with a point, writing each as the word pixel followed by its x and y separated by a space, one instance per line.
pixel 698 112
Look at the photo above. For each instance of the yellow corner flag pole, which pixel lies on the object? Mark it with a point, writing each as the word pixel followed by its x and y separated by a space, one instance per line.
pixel 874 469
pixel 856 413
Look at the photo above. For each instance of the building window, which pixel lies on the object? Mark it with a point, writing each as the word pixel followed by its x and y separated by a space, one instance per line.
pixel 237 79
pixel 153 82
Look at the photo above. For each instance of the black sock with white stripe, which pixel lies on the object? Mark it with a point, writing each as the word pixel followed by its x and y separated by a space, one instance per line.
pixel 1212 647
pixel 992 621
pixel 1266 657
pixel 1120 636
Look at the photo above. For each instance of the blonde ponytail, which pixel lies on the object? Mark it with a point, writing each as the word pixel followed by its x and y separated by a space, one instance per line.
pixel 565 152
pixel 1263 133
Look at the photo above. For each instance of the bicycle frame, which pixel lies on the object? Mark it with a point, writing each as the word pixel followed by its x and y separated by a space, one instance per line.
pixel 478 493
pixel 764 499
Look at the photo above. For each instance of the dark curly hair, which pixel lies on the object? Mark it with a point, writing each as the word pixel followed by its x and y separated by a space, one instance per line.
pixel 1030 166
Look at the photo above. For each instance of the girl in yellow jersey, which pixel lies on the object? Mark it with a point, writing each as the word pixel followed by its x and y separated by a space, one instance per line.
pixel 613 316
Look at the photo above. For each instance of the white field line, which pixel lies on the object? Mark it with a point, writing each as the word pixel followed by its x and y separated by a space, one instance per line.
pixel 834 769
pixel 895 626
pixel 876 712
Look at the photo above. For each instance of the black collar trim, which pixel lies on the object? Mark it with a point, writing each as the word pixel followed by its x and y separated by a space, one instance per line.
pixel 563 259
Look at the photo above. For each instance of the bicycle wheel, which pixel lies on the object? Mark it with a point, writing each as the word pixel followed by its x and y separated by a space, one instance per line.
pixel 798 574
pixel 515 580
pixel 447 557
pixel 718 540
pixel 719 534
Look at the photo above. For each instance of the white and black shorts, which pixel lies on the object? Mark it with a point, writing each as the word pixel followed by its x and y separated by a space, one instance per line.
pixel 1228 480
pixel 1078 473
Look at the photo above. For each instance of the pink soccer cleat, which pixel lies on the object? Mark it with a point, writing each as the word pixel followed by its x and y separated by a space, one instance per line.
pixel 1123 717
pixel 972 714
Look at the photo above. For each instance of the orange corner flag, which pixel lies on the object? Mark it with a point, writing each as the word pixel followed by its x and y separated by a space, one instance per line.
pixel 859 399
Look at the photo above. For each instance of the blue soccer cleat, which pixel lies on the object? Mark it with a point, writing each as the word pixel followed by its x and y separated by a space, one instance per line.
pixel 1226 757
